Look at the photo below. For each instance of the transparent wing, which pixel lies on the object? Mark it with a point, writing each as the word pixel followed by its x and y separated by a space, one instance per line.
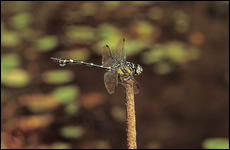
pixel 136 87
pixel 107 58
pixel 110 80
pixel 119 52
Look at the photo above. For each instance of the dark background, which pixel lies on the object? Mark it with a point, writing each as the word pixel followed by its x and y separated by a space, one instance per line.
pixel 183 48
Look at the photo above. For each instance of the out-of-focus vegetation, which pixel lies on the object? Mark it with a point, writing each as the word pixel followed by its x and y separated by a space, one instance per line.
pixel 182 46
pixel 216 143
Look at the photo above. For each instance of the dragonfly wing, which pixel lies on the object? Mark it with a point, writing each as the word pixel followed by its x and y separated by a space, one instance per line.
pixel 119 52
pixel 116 78
pixel 107 58
pixel 136 87
pixel 110 81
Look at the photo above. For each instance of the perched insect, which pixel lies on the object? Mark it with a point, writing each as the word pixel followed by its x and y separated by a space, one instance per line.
pixel 114 62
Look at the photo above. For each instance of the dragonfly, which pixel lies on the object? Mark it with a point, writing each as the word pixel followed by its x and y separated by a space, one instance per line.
pixel 118 70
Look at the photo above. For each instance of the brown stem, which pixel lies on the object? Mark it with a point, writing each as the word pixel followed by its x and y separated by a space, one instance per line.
pixel 130 115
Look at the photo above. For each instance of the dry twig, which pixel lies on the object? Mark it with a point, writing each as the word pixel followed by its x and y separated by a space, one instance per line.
pixel 130 116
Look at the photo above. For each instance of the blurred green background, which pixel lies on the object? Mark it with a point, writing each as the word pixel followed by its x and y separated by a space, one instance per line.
pixel 182 46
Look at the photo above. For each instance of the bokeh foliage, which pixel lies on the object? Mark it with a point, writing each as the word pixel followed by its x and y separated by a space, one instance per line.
pixel 182 46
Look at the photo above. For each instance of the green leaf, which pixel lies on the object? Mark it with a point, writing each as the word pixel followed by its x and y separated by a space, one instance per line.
pixel 111 4
pixel 10 39
pixel 72 132
pixel 47 43
pixel 163 68
pixel 9 61
pixel 71 108
pixel 176 51
pixel 61 145
pixel 105 31
pixel 182 21
pixel 16 78
pixel 216 143
pixel 155 55
pixel 20 21
pixel 80 34
pixel 144 28
pixel 133 47
pixel 57 76
pixel 66 94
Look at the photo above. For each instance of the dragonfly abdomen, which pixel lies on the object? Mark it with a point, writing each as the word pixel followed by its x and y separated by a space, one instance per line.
pixel 62 62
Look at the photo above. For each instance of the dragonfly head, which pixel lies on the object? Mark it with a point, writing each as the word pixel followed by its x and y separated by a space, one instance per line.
pixel 138 69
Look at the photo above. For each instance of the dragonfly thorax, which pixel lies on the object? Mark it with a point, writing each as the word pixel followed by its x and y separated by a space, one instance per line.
pixel 128 68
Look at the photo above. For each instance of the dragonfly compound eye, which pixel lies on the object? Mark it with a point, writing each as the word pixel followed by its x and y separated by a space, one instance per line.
pixel 138 69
